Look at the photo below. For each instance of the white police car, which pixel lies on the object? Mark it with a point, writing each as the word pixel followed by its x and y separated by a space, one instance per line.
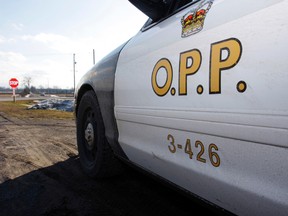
pixel 199 98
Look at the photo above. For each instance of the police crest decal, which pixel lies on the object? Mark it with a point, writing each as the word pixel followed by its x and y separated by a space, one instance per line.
pixel 193 21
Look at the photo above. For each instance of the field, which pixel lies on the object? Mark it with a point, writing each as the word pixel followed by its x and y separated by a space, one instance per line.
pixel 19 109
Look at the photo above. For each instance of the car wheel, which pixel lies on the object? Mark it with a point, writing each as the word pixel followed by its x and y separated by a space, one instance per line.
pixel 96 156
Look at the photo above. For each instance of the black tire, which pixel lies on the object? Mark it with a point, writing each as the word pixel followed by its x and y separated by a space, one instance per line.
pixel 96 156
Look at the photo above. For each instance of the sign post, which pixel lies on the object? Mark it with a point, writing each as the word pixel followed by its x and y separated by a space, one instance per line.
pixel 13 82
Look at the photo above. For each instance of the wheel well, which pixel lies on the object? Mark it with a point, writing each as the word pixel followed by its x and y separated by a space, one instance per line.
pixel 105 102
pixel 80 94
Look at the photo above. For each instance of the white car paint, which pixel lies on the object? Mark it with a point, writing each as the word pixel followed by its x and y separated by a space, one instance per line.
pixel 250 128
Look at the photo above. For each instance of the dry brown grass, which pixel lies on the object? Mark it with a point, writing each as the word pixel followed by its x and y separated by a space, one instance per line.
pixel 19 110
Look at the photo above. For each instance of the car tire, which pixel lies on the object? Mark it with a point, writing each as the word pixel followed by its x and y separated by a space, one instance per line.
pixel 96 156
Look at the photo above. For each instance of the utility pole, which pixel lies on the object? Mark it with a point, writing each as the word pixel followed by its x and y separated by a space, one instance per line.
pixel 93 57
pixel 74 63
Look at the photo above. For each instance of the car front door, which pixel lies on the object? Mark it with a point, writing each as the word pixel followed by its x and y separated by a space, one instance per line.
pixel 191 95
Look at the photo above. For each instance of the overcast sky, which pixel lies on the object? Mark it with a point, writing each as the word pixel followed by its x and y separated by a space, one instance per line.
pixel 38 37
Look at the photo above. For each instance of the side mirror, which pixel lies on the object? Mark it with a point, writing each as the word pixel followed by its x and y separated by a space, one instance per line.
pixel 154 9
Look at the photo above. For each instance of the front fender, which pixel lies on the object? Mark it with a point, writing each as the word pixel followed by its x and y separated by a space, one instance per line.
pixel 101 79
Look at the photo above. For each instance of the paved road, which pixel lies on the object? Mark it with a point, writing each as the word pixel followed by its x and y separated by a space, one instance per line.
pixel 7 98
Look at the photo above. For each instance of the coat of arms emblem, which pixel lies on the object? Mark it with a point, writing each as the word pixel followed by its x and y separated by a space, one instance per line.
pixel 193 21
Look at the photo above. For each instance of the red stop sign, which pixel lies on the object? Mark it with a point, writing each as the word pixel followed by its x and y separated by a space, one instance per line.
pixel 13 82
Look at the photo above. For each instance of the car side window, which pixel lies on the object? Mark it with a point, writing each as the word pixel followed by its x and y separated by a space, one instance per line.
pixel 174 6
pixel 181 3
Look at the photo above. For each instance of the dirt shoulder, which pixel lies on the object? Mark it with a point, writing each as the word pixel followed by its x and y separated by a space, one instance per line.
pixel 40 174
pixel 30 144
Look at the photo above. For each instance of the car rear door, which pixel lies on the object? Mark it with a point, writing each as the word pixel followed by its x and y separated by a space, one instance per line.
pixel 199 100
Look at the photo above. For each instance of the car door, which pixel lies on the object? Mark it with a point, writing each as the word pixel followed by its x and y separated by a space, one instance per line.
pixel 198 102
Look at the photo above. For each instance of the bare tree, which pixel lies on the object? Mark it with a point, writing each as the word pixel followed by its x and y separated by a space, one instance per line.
pixel 27 80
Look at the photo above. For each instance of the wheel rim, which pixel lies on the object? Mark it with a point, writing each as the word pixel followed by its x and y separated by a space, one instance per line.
pixel 90 137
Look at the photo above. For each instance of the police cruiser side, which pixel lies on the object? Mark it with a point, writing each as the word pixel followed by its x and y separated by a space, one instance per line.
pixel 199 98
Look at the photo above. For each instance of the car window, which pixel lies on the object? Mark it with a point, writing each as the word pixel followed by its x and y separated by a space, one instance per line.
pixel 174 7
pixel 181 3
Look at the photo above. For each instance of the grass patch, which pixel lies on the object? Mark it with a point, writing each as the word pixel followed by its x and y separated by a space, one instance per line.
pixel 19 110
